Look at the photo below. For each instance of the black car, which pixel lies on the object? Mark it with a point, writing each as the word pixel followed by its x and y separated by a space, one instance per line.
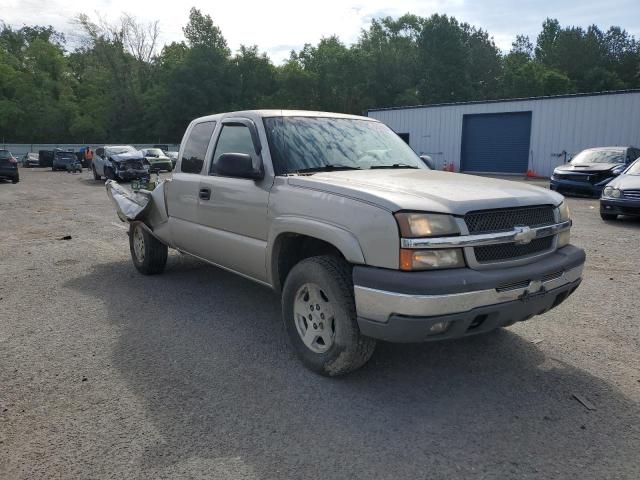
pixel 591 170
pixel 9 166
pixel 622 195
pixel 62 160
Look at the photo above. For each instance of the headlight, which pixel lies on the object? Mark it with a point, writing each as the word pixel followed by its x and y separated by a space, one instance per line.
pixel 416 225
pixel 431 259
pixel 564 215
pixel 611 192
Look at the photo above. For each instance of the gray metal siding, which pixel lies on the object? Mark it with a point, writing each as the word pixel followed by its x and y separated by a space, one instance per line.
pixel 568 124
pixel 496 142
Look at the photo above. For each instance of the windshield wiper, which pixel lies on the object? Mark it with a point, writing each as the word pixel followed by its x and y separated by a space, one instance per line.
pixel 395 165
pixel 326 168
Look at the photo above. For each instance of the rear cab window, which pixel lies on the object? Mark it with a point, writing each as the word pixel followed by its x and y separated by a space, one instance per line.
pixel 196 146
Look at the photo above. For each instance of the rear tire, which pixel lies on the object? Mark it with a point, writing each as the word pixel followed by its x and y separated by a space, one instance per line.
pixel 15 180
pixel 149 255
pixel 95 174
pixel 607 217
pixel 319 315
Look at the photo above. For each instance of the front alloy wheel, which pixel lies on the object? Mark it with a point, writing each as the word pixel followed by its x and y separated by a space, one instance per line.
pixel 319 314
pixel 314 318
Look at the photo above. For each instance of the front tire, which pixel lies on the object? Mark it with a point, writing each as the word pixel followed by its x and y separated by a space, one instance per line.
pixel 607 217
pixel 149 255
pixel 319 315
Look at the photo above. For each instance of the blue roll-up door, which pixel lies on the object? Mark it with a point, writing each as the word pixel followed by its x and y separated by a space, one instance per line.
pixel 496 142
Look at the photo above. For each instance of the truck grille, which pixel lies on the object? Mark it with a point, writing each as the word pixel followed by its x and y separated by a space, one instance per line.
pixel 503 220
pixel 510 251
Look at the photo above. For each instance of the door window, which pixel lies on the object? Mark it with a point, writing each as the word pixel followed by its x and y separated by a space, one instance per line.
pixel 196 147
pixel 233 139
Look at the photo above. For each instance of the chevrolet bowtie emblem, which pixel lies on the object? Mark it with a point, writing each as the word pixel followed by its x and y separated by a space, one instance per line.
pixel 524 234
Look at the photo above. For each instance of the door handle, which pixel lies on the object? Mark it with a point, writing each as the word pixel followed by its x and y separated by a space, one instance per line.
pixel 205 194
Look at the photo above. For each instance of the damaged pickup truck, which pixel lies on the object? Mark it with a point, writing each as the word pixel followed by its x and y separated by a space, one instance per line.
pixel 362 241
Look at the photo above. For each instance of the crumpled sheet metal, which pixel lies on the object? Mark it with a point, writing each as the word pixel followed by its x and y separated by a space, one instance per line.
pixel 130 205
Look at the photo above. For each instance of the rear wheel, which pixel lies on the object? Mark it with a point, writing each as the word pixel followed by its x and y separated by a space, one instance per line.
pixel 320 317
pixel 15 179
pixel 607 217
pixel 95 174
pixel 149 255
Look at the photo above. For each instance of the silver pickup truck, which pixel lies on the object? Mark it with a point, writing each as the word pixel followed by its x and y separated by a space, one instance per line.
pixel 363 241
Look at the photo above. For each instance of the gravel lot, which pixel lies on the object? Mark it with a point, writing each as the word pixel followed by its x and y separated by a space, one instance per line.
pixel 105 373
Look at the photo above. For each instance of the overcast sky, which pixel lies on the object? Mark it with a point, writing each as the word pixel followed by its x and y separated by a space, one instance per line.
pixel 277 26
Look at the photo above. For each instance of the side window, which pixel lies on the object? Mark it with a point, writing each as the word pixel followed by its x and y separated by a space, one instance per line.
pixel 233 139
pixel 196 147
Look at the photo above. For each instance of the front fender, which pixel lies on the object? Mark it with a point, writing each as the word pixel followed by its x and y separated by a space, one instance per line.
pixel 336 235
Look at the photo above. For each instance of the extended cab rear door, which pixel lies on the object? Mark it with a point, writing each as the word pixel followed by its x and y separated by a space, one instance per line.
pixel 182 192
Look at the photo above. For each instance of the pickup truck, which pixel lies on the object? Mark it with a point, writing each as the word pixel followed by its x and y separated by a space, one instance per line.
pixel 359 237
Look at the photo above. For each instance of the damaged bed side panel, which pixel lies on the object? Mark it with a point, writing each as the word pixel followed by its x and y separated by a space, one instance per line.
pixel 146 206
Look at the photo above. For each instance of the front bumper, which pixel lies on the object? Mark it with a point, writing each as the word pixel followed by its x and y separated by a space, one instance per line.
pixel 130 174
pixel 579 188
pixel 611 206
pixel 404 306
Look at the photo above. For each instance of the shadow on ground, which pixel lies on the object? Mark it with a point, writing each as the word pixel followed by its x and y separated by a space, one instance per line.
pixel 205 352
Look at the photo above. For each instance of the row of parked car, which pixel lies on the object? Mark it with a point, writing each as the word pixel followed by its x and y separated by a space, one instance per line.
pixel 611 173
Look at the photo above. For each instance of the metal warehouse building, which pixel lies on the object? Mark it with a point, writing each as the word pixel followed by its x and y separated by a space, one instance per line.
pixel 517 136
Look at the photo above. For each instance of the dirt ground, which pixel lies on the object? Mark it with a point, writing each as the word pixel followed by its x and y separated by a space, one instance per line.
pixel 105 373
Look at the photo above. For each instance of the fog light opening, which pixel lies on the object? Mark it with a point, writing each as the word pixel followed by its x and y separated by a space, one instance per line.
pixel 438 328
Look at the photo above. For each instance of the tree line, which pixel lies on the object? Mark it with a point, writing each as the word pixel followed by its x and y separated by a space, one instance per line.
pixel 115 84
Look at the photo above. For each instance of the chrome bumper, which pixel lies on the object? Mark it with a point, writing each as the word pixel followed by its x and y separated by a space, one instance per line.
pixel 379 305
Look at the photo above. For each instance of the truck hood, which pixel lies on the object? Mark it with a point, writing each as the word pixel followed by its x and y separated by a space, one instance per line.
pixel 427 190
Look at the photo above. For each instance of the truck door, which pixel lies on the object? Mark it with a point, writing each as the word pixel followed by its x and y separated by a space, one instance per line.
pixel 182 192
pixel 232 210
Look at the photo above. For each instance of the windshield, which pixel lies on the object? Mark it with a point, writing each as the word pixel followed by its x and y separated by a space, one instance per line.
pixel 598 156
pixel 154 152
pixel 5 154
pixel 119 150
pixel 65 155
pixel 634 169
pixel 300 144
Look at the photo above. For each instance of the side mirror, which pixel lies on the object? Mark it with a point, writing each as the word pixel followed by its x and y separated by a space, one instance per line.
pixel 428 161
pixel 237 165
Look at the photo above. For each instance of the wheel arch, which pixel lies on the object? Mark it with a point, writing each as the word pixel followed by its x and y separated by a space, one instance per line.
pixel 293 239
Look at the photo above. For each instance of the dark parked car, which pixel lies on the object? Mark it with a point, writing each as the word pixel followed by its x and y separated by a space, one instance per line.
pixel 9 166
pixel 622 195
pixel 30 159
pixel 62 160
pixel 589 171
